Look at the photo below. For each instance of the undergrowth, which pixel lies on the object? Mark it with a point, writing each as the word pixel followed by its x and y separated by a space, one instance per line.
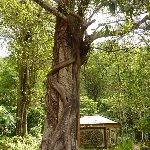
pixel 126 145
pixel 28 142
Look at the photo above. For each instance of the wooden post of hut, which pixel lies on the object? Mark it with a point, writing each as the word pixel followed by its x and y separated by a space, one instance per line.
pixel 98 132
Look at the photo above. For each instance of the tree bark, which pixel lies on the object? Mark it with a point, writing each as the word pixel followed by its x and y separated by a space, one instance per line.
pixel 62 97
pixel 25 93
pixel 22 102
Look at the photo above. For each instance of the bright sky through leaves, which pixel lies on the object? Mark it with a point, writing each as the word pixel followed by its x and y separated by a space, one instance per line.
pixel 3 48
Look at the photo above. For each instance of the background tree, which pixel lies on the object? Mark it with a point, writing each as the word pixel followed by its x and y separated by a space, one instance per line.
pixel 30 45
pixel 126 88
pixel 93 77
pixel 87 106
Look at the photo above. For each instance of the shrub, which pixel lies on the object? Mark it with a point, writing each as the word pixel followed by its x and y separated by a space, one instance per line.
pixel 18 143
pixel 7 122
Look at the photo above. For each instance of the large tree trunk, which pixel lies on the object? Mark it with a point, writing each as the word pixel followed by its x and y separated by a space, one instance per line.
pixel 62 98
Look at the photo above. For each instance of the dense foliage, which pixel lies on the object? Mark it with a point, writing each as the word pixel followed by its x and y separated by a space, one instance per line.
pixel 123 80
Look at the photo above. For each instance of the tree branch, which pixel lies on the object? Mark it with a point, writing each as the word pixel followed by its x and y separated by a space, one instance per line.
pixel 75 15
pixel 61 65
pixel 50 9
pixel 54 10
pixel 86 25
pixel 97 35
pixel 60 89
pixel 137 24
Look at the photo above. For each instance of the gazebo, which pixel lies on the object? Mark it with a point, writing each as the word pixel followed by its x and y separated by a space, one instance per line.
pixel 98 132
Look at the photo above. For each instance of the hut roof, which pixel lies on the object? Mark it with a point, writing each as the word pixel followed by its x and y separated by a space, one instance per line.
pixel 87 120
